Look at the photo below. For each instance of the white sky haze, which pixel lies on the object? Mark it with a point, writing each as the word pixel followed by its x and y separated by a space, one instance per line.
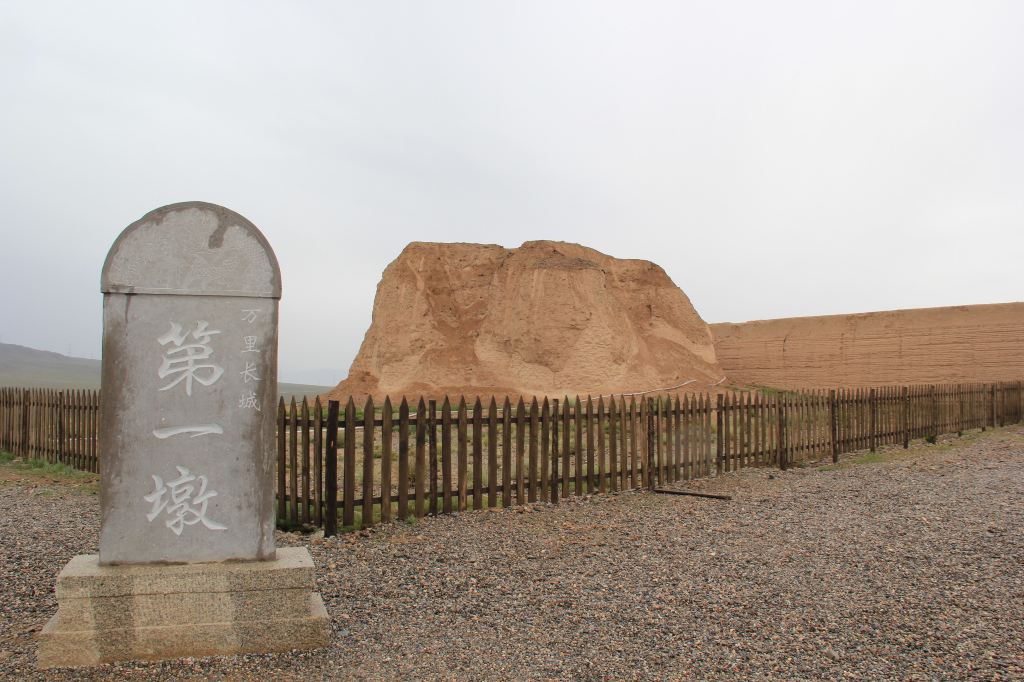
pixel 777 159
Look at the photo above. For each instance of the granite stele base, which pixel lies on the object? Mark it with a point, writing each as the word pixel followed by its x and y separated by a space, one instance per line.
pixel 152 611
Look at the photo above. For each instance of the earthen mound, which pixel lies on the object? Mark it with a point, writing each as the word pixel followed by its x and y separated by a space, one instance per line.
pixel 545 319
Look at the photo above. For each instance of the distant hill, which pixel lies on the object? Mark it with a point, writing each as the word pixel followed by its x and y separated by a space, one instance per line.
pixel 31 368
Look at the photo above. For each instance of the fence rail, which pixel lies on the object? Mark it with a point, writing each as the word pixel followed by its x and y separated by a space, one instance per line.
pixel 358 467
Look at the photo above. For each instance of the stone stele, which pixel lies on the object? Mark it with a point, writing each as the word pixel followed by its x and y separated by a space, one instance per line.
pixel 187 564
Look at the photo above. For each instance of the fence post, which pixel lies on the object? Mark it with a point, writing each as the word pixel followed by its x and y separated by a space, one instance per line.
pixel 992 404
pixel 782 434
pixel 718 444
pixel 979 406
pixel 934 430
pixel 652 445
pixel 906 417
pixel 1000 400
pixel 959 410
pixel 60 427
pixel 24 424
pixel 833 425
pixel 873 412
pixel 432 443
pixel 331 471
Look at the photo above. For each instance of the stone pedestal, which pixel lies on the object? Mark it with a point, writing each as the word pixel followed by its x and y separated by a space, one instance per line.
pixel 151 611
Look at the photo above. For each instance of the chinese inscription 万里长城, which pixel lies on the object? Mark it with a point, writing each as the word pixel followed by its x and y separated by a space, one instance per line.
pixel 249 373
pixel 175 498
pixel 248 399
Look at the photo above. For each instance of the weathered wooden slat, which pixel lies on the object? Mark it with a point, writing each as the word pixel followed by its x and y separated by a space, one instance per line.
pixel 749 418
pixel 446 456
pixel 369 434
pixel 613 447
pixel 293 463
pixel 318 462
pixel 602 469
pixel 331 470
pixel 740 424
pixel 521 452
pixel 578 470
pixel 676 412
pixel 492 454
pixel 720 435
pixel 661 451
pixel 348 511
pixel 731 431
pixel 305 455
pixel 634 455
pixel 590 429
pixel 463 457
pixel 691 493
pixel 282 468
pixel 566 452
pixel 93 429
pixel 432 456
pixel 673 438
pixel 707 464
pixel 94 441
pixel 533 454
pixel 420 465
pixel 545 450
pixel 403 460
pixel 555 454
pixel 478 455
pixel 506 454
pixel 293 466
pixel 687 431
pixel 385 461
pixel 644 438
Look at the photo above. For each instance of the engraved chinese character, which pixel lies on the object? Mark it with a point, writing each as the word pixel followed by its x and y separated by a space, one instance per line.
pixel 250 344
pixel 249 401
pixel 183 359
pixel 175 498
pixel 249 315
pixel 196 430
pixel 249 373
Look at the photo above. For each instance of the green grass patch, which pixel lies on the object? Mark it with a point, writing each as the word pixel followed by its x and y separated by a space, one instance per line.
pixel 53 471
pixel 38 466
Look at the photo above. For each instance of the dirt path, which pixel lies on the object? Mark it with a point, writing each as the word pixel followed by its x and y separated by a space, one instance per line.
pixel 909 565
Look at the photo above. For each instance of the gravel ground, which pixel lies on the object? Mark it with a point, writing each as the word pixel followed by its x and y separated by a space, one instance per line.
pixel 909 568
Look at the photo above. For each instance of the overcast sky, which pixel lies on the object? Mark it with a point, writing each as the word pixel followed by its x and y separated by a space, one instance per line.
pixel 776 158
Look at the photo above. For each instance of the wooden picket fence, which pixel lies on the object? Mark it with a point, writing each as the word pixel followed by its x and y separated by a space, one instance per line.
pixel 378 463
pixel 55 426
pixel 356 467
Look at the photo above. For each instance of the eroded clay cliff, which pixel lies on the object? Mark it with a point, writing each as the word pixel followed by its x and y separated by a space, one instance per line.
pixel 547 318
pixel 926 345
